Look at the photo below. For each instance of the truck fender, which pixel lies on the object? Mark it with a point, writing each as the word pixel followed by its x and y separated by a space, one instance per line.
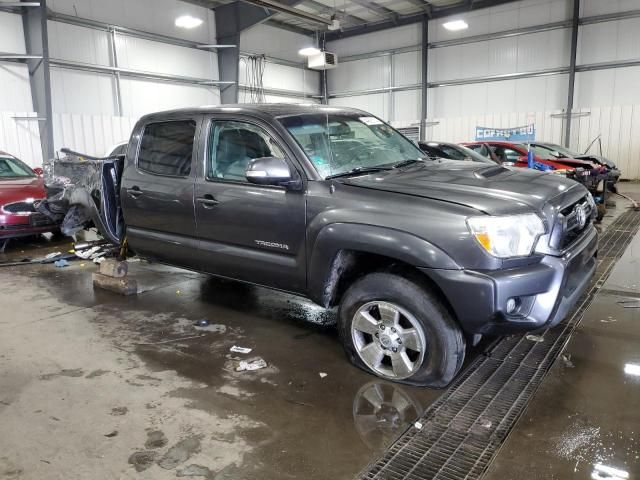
pixel 329 254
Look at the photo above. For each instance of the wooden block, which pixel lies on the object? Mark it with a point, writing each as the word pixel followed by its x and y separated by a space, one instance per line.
pixel 122 285
pixel 114 268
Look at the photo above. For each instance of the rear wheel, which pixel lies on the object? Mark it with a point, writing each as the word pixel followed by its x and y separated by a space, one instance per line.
pixel 400 330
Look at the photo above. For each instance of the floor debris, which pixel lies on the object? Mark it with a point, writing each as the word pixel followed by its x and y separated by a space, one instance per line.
pixel 535 338
pixel 322 374
pixel 194 471
pixel 61 263
pixel 180 453
pixel 216 328
pixel 142 460
pixel 236 349
pixel 112 434
pixel 253 365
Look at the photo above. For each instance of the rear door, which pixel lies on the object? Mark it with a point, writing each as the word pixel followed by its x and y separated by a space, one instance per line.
pixel 248 232
pixel 157 191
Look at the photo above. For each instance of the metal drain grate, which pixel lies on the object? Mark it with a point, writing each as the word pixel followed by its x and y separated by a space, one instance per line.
pixel 464 428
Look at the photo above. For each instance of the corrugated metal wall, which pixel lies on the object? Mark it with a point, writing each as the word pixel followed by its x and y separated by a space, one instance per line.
pixel 21 137
pixel 611 96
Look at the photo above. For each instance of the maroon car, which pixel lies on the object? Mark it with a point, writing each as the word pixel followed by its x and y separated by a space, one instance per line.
pixel 21 189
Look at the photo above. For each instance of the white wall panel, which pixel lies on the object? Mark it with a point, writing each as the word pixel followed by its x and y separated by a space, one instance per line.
pixel 360 75
pixel 157 16
pixel 21 138
pixel 285 77
pixel 600 7
pixel 90 134
pixel 274 42
pixel 407 68
pixel 406 108
pixel 146 55
pixel 527 53
pixel 608 87
pixel 377 104
pixel 79 44
pixel 140 97
pixel 384 40
pixel 74 91
pixel 609 41
pixel 503 17
pixel 11 37
pixel 15 91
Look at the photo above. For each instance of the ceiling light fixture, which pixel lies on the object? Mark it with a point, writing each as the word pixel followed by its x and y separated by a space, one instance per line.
pixel 187 21
pixel 456 25
pixel 309 51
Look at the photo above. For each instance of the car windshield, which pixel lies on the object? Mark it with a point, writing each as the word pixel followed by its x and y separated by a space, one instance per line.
pixel 453 152
pixel 563 150
pixel 13 168
pixel 340 143
pixel 543 153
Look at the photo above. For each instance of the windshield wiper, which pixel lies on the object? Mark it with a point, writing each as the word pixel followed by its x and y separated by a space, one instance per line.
pixel 357 170
pixel 410 161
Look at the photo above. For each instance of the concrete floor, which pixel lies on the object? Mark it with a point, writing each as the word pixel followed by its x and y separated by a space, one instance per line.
pixel 94 385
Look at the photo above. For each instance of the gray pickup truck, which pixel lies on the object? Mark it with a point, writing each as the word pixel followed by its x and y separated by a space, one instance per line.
pixel 421 255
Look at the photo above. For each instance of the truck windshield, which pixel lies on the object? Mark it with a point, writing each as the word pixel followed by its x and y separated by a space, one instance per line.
pixel 14 168
pixel 340 143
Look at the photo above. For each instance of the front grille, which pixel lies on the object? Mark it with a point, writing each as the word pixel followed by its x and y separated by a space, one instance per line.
pixel 572 222
pixel 20 207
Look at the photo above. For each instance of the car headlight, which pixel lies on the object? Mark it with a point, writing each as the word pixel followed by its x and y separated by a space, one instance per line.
pixel 507 236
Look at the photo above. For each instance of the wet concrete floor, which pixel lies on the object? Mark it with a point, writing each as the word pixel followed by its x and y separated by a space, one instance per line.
pixel 95 385
pixel 88 377
pixel 584 421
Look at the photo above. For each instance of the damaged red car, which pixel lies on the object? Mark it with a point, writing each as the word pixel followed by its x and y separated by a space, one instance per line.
pixel 21 190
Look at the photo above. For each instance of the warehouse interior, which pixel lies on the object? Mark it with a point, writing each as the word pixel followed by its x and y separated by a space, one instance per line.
pixel 198 375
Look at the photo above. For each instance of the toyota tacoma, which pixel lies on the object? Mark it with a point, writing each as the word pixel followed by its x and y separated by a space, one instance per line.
pixel 421 256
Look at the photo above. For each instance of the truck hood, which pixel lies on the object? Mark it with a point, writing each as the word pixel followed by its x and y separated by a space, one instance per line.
pixel 494 190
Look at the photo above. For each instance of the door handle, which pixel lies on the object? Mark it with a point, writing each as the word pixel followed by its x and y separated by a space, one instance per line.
pixel 134 191
pixel 207 201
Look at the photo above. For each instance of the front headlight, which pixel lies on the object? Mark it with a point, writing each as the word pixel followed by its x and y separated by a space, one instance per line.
pixel 507 236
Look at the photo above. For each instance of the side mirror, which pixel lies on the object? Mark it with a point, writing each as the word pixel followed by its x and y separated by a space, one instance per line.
pixel 38 171
pixel 272 171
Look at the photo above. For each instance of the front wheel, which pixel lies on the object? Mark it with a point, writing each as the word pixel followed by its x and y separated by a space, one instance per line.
pixel 400 330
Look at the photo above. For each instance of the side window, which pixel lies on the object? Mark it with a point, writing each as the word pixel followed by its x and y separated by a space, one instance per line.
pixel 232 145
pixel 507 154
pixel 166 148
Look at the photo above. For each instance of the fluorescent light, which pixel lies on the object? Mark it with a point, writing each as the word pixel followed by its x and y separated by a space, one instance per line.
pixel 455 25
pixel 308 51
pixel 187 21
pixel 632 369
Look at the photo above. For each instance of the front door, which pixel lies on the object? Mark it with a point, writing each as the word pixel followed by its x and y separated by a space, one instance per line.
pixel 157 192
pixel 249 232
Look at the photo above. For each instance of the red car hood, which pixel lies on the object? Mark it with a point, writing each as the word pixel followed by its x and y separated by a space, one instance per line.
pixel 19 189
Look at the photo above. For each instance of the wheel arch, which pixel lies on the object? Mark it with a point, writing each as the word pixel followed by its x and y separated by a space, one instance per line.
pixel 344 252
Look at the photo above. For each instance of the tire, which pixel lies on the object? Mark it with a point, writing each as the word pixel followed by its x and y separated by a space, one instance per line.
pixel 429 344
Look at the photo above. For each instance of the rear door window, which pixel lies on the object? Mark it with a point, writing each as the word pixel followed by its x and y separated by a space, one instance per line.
pixel 166 148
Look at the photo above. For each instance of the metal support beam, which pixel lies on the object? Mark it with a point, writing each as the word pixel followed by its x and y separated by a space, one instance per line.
pixel 376 8
pixel 425 78
pixel 34 21
pixel 114 63
pixel 324 89
pixel 288 10
pixel 231 19
pixel 572 70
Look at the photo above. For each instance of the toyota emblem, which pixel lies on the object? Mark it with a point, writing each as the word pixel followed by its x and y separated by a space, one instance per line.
pixel 581 216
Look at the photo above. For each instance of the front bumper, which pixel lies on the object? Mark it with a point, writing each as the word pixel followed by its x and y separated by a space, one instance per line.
pixel 13 226
pixel 544 291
